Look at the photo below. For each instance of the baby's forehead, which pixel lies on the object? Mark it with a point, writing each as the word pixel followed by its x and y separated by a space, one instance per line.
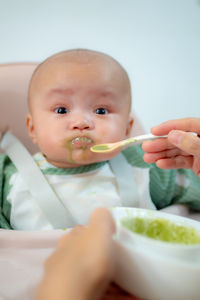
pixel 83 58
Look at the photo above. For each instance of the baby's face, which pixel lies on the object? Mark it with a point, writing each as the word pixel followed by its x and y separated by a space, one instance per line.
pixel 75 106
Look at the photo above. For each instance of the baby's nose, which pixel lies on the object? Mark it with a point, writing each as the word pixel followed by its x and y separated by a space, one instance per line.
pixel 82 123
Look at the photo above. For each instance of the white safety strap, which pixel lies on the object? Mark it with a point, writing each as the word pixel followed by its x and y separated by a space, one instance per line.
pixel 128 188
pixel 37 183
pixel 124 175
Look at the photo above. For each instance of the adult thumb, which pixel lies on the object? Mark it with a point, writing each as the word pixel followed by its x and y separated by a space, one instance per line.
pixel 102 221
pixel 185 141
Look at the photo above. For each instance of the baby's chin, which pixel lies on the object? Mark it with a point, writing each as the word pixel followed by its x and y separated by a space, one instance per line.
pixel 87 157
pixel 81 158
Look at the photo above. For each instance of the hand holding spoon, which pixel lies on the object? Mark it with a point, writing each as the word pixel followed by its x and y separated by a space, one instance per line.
pixel 103 148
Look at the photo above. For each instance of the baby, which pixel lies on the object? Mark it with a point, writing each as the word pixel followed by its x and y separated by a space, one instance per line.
pixel 79 98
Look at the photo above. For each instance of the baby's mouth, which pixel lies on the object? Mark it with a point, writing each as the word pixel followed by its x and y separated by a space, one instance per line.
pixel 81 142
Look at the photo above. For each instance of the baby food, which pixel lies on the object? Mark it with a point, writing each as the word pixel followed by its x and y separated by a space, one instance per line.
pixel 100 147
pixel 163 230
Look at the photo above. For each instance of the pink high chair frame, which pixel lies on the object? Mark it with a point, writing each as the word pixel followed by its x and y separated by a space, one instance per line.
pixel 23 253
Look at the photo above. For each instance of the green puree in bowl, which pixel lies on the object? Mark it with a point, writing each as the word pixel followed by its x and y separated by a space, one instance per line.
pixel 162 230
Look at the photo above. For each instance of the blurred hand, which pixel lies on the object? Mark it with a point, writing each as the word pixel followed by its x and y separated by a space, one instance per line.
pixel 83 263
pixel 114 292
pixel 180 150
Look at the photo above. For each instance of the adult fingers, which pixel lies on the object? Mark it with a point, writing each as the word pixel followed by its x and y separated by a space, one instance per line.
pixel 71 234
pixel 185 141
pixel 153 157
pixel 100 229
pixel 157 145
pixel 177 162
pixel 101 220
pixel 186 124
pixel 196 166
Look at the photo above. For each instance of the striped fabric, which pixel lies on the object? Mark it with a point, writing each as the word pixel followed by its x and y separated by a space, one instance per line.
pixel 166 186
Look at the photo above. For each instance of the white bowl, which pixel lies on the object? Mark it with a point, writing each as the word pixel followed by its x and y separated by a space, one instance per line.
pixel 152 269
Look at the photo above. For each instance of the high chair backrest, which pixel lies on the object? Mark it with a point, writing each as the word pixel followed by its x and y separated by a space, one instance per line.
pixel 14 80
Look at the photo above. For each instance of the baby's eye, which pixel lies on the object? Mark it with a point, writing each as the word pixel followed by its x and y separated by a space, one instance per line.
pixel 61 110
pixel 101 111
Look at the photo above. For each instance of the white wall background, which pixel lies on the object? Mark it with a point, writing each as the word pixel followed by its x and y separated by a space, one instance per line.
pixel 157 41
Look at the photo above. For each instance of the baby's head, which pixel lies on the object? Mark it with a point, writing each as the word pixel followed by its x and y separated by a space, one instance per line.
pixel 78 98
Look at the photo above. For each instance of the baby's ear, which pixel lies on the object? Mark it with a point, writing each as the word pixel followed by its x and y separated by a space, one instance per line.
pixel 31 130
pixel 129 125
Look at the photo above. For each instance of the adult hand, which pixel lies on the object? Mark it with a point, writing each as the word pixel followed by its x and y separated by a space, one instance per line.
pixel 83 263
pixel 180 150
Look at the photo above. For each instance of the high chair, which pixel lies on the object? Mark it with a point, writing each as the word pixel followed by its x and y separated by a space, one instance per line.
pixel 22 253
pixel 14 79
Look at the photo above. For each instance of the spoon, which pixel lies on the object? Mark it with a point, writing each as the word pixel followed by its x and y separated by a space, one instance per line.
pixel 102 148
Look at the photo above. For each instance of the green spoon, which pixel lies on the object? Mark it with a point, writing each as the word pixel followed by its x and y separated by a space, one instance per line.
pixel 102 148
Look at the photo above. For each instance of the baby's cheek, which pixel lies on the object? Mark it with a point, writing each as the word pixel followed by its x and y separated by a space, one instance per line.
pixel 103 133
pixel 109 134
pixel 47 146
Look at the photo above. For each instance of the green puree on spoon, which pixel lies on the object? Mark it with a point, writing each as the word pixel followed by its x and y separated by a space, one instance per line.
pixel 109 147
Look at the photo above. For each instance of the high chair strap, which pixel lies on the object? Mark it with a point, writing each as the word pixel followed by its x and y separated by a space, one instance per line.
pixel 128 188
pixel 124 175
pixel 41 190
